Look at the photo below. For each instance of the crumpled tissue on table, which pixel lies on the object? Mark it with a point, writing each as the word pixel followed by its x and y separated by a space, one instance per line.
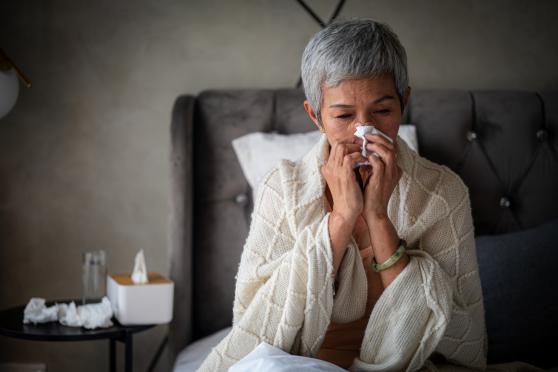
pixel 89 316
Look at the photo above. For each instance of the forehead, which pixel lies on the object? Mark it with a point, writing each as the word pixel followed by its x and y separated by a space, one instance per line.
pixel 357 91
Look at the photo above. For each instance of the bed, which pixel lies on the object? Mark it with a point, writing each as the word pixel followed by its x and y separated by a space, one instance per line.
pixel 503 144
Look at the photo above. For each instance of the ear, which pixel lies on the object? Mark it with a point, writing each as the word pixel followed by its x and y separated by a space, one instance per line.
pixel 406 96
pixel 312 115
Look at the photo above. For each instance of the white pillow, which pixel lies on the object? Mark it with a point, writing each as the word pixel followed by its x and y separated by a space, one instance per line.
pixel 259 152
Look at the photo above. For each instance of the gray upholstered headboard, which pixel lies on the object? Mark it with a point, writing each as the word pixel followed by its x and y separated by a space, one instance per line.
pixel 504 145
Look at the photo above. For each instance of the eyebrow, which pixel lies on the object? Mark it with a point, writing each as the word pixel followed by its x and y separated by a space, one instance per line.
pixel 343 105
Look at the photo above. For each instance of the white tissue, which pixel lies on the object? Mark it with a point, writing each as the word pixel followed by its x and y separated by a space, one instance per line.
pixel 361 130
pixel 368 129
pixel 139 275
pixel 36 312
pixel 89 316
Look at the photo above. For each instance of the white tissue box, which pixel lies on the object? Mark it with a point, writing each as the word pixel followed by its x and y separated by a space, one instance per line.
pixel 149 303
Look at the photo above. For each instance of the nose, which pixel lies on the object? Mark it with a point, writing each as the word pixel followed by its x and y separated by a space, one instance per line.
pixel 365 117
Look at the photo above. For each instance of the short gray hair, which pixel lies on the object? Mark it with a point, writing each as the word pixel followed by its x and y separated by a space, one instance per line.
pixel 352 49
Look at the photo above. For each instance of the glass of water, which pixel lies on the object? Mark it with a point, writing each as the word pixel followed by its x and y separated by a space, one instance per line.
pixel 94 276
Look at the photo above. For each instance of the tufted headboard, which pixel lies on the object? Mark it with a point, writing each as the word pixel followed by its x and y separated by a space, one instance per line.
pixel 503 144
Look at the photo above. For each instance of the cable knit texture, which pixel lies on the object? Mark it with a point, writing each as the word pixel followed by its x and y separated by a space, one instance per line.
pixel 285 289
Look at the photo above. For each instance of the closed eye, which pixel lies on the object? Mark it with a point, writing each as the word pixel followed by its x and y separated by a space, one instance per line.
pixel 377 112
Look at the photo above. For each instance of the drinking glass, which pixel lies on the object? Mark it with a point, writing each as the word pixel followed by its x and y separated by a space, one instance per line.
pixel 94 276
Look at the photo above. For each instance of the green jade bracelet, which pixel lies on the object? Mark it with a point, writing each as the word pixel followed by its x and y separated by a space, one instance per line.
pixel 392 260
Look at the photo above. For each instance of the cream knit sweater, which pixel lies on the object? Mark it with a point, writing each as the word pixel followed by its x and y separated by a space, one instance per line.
pixel 285 289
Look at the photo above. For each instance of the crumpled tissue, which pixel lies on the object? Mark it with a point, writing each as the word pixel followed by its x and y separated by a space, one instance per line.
pixel 36 312
pixel 360 131
pixel 139 274
pixel 89 316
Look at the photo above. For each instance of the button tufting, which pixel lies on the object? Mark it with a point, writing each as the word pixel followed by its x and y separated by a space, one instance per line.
pixel 542 135
pixel 505 202
pixel 471 136
pixel 241 199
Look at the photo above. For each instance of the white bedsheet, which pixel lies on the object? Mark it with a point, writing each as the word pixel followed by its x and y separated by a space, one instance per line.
pixel 271 359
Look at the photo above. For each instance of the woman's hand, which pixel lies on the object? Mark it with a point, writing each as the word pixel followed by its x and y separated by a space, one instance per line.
pixel 341 180
pixel 385 176
pixel 346 196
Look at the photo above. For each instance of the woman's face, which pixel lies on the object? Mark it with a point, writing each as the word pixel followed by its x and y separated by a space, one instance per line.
pixel 370 101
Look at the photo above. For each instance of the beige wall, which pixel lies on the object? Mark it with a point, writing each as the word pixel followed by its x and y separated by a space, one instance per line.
pixel 83 155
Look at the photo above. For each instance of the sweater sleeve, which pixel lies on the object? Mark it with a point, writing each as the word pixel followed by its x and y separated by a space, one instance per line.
pixel 465 341
pixel 435 303
pixel 281 280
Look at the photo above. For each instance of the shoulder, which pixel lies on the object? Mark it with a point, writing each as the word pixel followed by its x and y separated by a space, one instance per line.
pixel 440 182
pixel 273 183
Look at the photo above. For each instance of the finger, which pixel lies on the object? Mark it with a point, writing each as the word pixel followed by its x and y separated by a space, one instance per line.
pixel 337 151
pixel 331 155
pixel 383 142
pixel 378 169
pixel 387 157
pixel 346 149
pixel 383 137
pixel 351 147
pixel 386 154
pixel 377 138
pixel 350 160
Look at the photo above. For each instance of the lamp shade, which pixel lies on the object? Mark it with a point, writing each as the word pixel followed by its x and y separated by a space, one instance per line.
pixel 9 90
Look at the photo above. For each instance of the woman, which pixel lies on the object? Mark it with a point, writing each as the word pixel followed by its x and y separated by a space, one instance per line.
pixel 306 282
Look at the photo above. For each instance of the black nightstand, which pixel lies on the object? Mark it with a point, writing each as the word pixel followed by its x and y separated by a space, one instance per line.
pixel 11 325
